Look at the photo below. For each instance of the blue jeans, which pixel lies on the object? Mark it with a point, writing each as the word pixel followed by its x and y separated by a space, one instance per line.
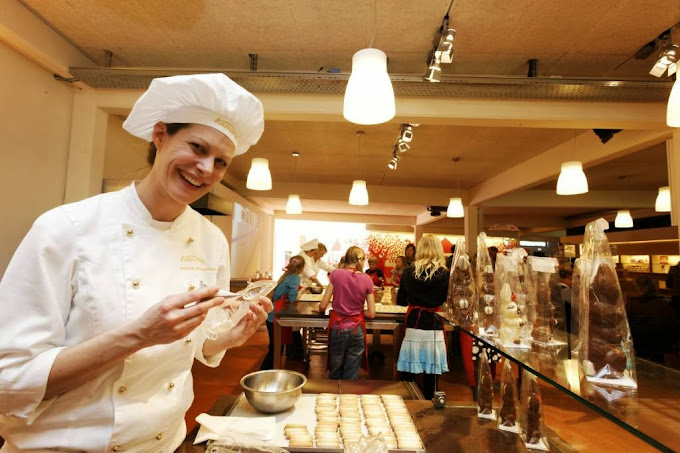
pixel 346 350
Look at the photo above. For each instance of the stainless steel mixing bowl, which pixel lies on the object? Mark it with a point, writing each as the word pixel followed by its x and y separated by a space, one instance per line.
pixel 273 391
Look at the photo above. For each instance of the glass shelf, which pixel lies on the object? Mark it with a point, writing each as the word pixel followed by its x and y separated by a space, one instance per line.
pixel 650 412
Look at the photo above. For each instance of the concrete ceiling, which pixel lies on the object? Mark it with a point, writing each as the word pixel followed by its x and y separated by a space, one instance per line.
pixel 577 39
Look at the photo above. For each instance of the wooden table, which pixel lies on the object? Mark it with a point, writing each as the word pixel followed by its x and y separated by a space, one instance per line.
pixel 306 314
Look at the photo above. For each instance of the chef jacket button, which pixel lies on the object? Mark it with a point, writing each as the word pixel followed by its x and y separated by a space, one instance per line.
pixel 171 386
pixel 190 240
pixel 116 449
pixel 135 284
pixel 187 340
pixel 122 389
pixel 191 287
pixel 130 232
pixel 159 436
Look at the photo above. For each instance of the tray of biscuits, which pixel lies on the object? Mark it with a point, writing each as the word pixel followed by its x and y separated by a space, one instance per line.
pixel 326 422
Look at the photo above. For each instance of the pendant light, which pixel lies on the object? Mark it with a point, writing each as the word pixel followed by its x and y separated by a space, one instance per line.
pixel 293 206
pixel 572 180
pixel 455 208
pixel 663 200
pixel 259 177
pixel 369 96
pixel 358 196
pixel 623 219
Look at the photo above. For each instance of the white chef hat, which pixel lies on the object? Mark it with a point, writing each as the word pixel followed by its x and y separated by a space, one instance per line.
pixel 310 245
pixel 209 99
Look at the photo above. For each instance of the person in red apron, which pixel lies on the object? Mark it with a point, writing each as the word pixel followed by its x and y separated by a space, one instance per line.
pixel 424 287
pixel 286 291
pixel 349 287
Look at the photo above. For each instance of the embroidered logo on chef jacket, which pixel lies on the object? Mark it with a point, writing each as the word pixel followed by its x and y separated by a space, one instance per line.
pixel 195 263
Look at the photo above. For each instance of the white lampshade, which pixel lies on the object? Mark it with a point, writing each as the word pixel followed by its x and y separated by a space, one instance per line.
pixel 663 200
pixel 673 107
pixel 623 219
pixel 259 177
pixel 358 196
pixel 293 206
pixel 455 208
pixel 369 97
pixel 572 180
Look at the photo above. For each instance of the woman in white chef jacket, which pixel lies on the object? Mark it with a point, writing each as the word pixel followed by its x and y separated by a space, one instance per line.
pixel 98 331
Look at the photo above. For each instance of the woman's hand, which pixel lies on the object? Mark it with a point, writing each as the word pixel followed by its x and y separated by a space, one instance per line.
pixel 175 317
pixel 243 330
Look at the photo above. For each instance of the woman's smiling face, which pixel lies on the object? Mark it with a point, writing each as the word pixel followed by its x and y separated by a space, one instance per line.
pixel 191 161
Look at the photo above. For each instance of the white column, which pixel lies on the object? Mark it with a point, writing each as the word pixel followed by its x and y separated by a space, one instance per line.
pixel 418 232
pixel 86 151
pixel 474 224
pixel 673 164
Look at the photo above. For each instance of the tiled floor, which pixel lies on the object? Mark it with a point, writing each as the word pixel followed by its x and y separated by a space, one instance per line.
pixel 209 383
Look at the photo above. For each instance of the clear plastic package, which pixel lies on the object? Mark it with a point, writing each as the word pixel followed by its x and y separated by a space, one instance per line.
pixel 488 307
pixel 485 394
pixel 507 282
pixel 235 307
pixel 508 408
pixel 461 301
pixel 605 348
pixel 547 313
pixel 532 429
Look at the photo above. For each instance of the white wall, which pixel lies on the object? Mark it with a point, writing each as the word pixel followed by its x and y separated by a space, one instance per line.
pixel 35 123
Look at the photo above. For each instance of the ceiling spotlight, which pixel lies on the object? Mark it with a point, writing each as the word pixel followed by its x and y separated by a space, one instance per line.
pixel 403 146
pixel 393 162
pixel 406 133
pixel 666 60
pixel 434 71
pixel 444 52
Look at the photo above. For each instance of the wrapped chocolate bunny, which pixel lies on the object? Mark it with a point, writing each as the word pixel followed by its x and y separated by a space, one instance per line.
pixel 508 409
pixel 531 422
pixel 461 301
pixel 506 279
pixel 485 389
pixel 547 311
pixel 605 348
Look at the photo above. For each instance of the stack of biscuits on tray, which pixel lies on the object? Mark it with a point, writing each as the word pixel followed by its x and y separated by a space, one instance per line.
pixel 343 419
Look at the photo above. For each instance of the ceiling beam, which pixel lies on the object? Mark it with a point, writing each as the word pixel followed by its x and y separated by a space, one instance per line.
pixel 349 218
pixel 21 30
pixel 339 192
pixel 593 199
pixel 586 148
pixel 465 112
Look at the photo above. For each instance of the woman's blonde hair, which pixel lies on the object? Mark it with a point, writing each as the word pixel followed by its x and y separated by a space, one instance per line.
pixel 429 257
pixel 353 255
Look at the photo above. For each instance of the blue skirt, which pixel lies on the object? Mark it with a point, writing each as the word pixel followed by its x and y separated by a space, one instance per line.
pixel 423 351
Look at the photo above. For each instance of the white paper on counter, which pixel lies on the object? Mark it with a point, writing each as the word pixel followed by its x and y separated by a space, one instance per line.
pixel 215 427
pixel 308 297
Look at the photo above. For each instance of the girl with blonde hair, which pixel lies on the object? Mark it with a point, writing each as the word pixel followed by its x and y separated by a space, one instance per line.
pixel 424 287
pixel 349 287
